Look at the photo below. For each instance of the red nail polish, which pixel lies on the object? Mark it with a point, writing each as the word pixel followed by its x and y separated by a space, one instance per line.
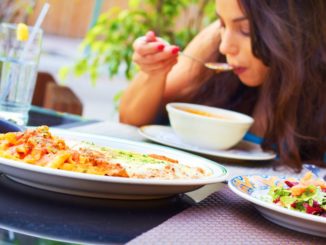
pixel 160 47
pixel 175 50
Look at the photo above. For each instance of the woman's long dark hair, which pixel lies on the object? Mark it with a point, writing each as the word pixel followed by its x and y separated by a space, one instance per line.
pixel 289 36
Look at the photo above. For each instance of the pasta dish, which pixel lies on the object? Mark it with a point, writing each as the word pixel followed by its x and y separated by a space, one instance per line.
pixel 39 147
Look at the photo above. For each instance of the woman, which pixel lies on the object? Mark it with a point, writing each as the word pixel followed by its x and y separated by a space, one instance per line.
pixel 278 50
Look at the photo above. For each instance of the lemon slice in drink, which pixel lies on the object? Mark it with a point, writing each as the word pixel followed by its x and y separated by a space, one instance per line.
pixel 22 33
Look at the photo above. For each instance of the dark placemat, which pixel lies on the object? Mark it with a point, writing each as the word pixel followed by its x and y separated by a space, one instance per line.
pixel 223 218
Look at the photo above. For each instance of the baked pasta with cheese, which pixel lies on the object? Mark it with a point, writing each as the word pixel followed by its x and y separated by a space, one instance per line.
pixel 39 147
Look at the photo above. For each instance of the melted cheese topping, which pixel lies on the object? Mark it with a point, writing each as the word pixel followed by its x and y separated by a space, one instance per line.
pixel 144 166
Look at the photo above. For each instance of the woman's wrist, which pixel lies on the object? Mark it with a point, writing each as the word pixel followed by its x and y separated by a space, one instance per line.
pixel 157 74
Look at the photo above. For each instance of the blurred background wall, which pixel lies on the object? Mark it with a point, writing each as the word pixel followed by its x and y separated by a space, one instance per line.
pixel 72 18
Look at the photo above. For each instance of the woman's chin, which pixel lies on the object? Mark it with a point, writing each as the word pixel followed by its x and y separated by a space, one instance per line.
pixel 249 81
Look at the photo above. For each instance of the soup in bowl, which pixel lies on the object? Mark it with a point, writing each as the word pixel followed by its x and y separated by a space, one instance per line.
pixel 208 127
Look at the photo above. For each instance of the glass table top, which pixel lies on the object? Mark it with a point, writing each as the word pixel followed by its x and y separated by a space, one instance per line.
pixel 33 216
pixel 27 213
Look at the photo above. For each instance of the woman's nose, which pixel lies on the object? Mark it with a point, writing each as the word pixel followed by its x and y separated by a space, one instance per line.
pixel 228 45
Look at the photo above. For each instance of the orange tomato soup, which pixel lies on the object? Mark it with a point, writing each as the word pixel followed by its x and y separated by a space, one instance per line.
pixel 202 113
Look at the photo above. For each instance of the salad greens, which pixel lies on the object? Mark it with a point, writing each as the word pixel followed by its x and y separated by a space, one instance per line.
pixel 307 195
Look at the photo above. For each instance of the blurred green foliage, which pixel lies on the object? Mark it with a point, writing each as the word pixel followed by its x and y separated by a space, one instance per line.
pixel 108 44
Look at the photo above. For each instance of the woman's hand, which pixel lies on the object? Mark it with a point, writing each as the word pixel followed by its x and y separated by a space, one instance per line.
pixel 154 55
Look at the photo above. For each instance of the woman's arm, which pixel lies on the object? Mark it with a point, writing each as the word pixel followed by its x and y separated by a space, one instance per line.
pixel 156 84
pixel 143 97
pixel 187 75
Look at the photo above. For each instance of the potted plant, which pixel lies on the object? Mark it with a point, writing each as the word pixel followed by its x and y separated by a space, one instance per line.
pixel 108 44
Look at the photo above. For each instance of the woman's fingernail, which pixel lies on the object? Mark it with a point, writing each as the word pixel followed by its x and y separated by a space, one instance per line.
pixel 175 50
pixel 151 33
pixel 160 47
pixel 150 36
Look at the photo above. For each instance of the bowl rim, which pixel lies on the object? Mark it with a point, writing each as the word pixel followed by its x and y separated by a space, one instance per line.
pixel 245 119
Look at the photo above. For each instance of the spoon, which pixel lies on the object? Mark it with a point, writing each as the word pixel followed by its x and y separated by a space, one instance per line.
pixel 217 67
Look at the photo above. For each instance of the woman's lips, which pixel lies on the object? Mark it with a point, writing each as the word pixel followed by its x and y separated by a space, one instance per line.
pixel 239 70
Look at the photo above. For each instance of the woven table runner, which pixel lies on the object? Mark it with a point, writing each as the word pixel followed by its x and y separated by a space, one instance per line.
pixel 223 218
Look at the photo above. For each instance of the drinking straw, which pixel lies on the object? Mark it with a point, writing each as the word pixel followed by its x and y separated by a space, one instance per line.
pixel 36 28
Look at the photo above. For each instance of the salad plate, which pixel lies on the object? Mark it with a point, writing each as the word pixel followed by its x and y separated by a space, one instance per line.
pixel 256 188
pixel 92 185
pixel 245 150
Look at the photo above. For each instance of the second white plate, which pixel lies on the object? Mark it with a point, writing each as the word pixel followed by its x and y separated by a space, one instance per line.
pixel 255 188
pixel 245 150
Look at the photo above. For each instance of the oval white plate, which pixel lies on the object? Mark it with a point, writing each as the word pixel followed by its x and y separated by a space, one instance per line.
pixel 243 151
pixel 112 187
pixel 253 187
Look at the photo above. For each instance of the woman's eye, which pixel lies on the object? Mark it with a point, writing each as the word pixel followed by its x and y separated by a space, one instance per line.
pixel 245 30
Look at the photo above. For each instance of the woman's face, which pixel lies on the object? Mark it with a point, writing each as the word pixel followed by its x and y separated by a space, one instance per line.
pixel 236 43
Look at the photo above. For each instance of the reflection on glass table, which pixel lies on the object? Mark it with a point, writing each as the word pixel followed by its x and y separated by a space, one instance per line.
pixel 10 237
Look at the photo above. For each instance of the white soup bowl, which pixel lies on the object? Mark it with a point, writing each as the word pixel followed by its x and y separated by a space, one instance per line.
pixel 208 127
